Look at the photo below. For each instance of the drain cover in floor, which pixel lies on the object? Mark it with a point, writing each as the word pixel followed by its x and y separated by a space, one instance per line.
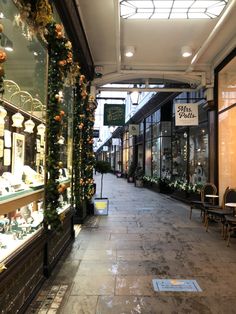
pixel 178 285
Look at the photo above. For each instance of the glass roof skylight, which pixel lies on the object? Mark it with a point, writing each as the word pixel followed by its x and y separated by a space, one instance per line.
pixel 175 9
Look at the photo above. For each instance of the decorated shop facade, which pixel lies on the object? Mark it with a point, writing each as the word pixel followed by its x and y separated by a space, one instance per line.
pixel 178 139
pixel 46 142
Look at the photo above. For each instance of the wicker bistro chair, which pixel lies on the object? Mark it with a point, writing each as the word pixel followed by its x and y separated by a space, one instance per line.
pixel 230 226
pixel 219 214
pixel 208 188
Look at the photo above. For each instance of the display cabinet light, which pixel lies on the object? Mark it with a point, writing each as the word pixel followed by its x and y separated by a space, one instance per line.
pixel 29 126
pixel 17 119
pixel 3 114
pixel 41 129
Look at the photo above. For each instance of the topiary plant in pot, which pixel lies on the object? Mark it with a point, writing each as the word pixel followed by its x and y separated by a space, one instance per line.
pixel 139 177
pixel 102 167
pixel 131 172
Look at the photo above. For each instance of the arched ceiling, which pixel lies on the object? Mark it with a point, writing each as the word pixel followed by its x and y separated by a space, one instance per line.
pixel 157 44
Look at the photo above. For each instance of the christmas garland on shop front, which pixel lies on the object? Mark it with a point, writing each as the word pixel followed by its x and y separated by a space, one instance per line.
pixel 84 158
pixel 39 19
pixel 60 60
pixel 89 161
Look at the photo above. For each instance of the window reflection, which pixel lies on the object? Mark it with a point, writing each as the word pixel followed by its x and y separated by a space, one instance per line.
pixel 26 63
pixel 227 126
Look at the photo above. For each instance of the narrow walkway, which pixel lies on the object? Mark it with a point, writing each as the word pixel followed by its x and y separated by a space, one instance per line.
pixel 111 264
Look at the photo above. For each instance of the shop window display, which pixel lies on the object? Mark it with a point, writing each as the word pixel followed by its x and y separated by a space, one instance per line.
pixel 22 137
pixel 26 58
pixel 125 152
pixel 166 157
pixel 156 164
pixel 179 156
pixel 161 151
pixel 148 162
pixel 198 155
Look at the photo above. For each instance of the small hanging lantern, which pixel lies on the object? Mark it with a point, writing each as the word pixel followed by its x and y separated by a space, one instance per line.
pixel 29 126
pixel 41 129
pixel 17 119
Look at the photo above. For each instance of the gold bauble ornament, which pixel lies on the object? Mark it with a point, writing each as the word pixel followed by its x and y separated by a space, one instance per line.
pixel 60 164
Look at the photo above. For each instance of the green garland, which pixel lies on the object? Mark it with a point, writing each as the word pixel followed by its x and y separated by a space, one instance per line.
pixel 79 119
pixel 84 159
pixel 60 58
pixel 89 161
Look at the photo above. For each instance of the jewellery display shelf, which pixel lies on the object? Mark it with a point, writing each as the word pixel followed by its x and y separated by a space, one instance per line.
pixel 27 261
pixel 21 258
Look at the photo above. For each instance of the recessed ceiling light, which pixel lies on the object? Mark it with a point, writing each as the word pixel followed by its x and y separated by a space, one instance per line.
pixel 186 51
pixel 129 51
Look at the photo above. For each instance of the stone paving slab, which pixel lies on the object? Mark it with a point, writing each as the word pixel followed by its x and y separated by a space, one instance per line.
pixel 110 267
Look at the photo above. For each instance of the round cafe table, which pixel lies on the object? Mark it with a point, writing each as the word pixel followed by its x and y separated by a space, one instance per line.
pixel 213 196
pixel 233 205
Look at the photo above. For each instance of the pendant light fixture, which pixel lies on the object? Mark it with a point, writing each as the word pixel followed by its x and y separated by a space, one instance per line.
pixel 41 129
pixel 29 126
pixel 17 119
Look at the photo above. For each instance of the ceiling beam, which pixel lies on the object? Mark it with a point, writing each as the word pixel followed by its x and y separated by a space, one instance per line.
pixel 212 35
pixel 197 78
pixel 118 32
pixel 126 89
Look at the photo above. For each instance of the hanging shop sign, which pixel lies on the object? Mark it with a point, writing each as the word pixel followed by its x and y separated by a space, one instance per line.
pixel 133 129
pixel 186 114
pixel 114 114
pixel 116 141
pixel 96 133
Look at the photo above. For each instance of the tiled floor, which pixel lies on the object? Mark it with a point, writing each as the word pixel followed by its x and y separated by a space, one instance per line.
pixel 110 266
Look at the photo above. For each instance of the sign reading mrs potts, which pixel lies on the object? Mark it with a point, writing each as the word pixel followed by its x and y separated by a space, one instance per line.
pixel 186 114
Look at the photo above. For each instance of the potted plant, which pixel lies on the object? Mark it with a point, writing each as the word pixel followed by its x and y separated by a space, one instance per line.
pixel 139 177
pixel 131 172
pixel 101 203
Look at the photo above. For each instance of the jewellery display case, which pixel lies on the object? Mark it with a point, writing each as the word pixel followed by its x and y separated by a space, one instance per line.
pixel 30 245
